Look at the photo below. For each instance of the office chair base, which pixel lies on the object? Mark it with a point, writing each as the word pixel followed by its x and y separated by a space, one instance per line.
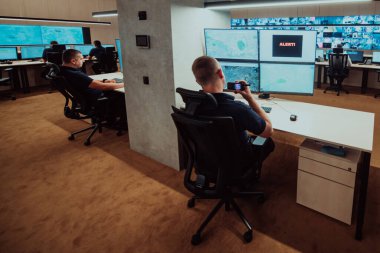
pixel 228 202
pixel 337 89
pixel 95 127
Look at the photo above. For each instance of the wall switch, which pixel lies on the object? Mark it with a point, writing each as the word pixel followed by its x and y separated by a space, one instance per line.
pixel 146 80
pixel 142 15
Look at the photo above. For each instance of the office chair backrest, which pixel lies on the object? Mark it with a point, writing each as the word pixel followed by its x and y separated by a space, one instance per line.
pixel 212 144
pixel 338 64
pixel 55 57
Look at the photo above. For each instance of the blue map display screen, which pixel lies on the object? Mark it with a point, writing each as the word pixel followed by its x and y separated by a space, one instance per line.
pixel 20 35
pixel 62 34
pixel 31 52
pixel 8 53
pixel 232 44
pixel 85 49
pixel 118 46
pixel 288 78
pixel 249 72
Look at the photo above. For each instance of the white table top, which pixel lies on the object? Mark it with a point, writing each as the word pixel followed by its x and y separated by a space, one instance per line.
pixel 354 65
pixel 334 125
pixel 110 76
pixel 21 63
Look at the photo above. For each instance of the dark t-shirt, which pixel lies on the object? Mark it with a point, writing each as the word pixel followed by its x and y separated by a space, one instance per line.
pixel 80 80
pixel 98 52
pixel 245 117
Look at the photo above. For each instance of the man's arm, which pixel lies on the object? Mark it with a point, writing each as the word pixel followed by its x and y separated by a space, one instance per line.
pixel 247 95
pixel 107 85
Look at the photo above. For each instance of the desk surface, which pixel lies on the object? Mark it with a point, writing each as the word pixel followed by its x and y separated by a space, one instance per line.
pixel 334 125
pixel 22 63
pixel 354 65
pixel 110 76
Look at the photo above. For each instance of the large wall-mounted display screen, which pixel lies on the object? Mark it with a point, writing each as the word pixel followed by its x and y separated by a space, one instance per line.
pixel 232 44
pixel 22 35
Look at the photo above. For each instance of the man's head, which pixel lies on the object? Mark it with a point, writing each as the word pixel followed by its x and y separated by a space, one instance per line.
pixel 97 43
pixel 72 58
pixel 208 74
pixel 53 42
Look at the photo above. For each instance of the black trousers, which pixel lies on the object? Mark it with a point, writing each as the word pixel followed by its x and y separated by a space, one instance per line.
pixel 116 110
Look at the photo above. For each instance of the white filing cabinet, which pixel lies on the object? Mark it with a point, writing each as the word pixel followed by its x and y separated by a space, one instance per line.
pixel 326 182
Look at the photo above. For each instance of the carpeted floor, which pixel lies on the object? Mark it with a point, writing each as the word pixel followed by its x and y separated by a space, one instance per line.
pixel 60 196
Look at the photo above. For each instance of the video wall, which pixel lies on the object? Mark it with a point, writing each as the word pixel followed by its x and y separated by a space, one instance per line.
pixel 271 61
pixel 353 32
pixel 19 35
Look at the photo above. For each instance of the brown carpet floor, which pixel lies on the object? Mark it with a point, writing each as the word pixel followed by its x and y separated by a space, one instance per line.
pixel 60 196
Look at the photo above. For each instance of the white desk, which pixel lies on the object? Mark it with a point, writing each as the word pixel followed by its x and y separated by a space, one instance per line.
pixel 364 67
pixel 110 76
pixel 21 66
pixel 334 125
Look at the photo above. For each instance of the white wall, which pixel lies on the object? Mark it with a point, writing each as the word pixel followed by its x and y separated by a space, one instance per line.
pixel 189 19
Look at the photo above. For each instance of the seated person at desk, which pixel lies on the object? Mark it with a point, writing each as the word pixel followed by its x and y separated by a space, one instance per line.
pixel 93 89
pixel 48 50
pixel 99 53
pixel 252 118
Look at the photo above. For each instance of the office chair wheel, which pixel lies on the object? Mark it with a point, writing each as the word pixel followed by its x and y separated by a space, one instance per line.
pixel 71 137
pixel 196 239
pixel 13 98
pixel 191 203
pixel 261 199
pixel 248 236
pixel 87 143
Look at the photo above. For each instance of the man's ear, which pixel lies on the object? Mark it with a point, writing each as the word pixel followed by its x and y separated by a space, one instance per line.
pixel 219 72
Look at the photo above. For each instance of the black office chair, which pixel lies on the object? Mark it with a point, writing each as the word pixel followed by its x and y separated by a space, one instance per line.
pixel 106 62
pixel 338 71
pixel 213 148
pixel 81 107
pixel 8 81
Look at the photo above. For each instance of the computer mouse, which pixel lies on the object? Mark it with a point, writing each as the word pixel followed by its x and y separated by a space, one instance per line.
pixel 293 117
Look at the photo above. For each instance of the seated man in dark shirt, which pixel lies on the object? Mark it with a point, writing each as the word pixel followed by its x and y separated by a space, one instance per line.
pixel 93 89
pixel 251 117
pixel 99 53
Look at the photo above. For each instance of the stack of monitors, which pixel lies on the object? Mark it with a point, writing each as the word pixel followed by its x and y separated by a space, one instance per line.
pixel 287 61
pixel 283 63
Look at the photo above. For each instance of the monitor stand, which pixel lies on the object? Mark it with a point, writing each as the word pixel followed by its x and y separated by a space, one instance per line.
pixel 264 95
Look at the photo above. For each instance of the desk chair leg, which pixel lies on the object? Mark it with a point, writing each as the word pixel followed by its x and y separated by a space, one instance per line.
pixel 247 235
pixel 196 239
pixel 88 140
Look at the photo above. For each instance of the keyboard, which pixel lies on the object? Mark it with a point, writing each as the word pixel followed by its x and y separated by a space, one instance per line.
pixel 266 109
pixel 118 80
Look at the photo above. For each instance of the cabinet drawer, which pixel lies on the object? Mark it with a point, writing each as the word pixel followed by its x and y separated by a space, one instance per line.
pixel 325 196
pixel 326 171
pixel 311 149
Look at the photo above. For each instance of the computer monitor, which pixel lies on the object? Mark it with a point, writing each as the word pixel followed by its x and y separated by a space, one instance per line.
pixel 319 54
pixel 326 45
pixel 63 34
pixel 85 49
pixel 108 45
pixel 247 71
pixel 32 52
pixel 20 35
pixel 225 44
pixel 356 56
pixel 59 48
pixel 287 78
pixel 8 53
pixel 118 46
pixel 376 57
pixel 287 46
